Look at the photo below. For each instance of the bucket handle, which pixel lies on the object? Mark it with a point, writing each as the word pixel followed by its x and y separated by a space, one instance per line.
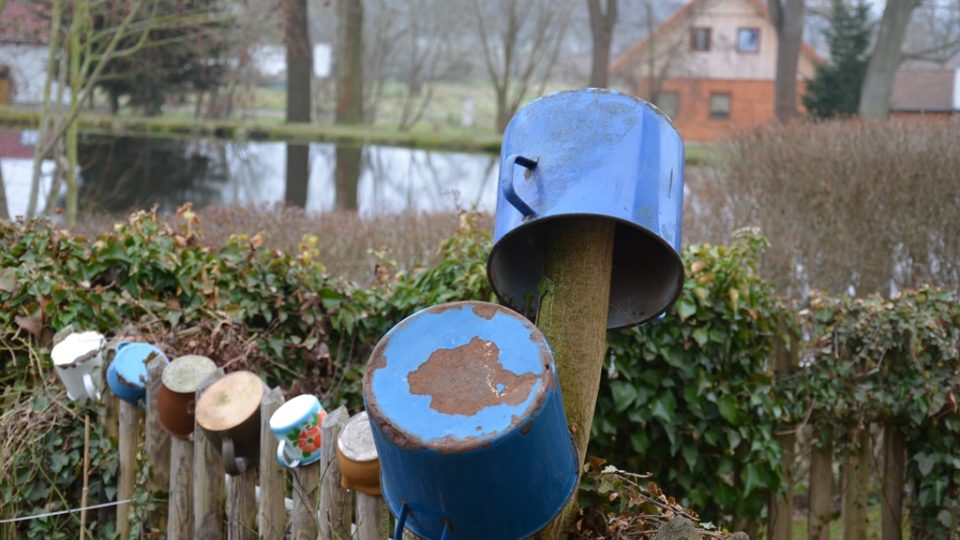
pixel 509 190
pixel 402 522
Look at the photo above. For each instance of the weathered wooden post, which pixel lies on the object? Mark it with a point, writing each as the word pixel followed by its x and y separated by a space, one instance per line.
pixel 588 238
pixel 821 489
pixel 209 492
pixel 359 470
pixel 180 502
pixel 306 495
pixel 373 518
pixel 336 503
pixel 273 515
pixel 127 377
pixel 894 464
pixel 242 505
pixel 856 486
pixel 780 521
pixel 156 441
pixel 129 435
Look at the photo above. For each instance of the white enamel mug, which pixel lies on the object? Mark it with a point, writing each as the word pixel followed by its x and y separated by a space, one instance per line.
pixel 78 360
pixel 296 425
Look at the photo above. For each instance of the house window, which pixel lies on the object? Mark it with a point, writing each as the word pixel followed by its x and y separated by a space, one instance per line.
pixel 699 39
pixel 748 40
pixel 720 105
pixel 668 102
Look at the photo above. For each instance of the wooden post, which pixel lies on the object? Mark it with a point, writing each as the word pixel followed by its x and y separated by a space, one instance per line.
pixel 156 439
pixel 156 442
pixel 821 490
pixel 373 518
pixel 242 506
pixel 273 515
pixel 573 318
pixel 780 519
pixel 85 491
pixel 129 428
pixel 209 493
pixel 856 487
pixel 894 462
pixel 336 503
pixel 306 494
pixel 180 502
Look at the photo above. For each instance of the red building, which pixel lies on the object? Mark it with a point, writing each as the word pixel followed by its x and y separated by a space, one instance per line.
pixel 711 67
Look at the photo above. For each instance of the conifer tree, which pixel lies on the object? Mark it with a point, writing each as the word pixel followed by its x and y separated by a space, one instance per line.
pixel 835 88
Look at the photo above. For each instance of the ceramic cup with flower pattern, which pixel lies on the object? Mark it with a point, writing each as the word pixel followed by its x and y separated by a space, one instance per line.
pixel 296 424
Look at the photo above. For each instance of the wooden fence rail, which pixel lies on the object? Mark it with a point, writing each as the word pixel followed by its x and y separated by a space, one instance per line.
pixel 266 501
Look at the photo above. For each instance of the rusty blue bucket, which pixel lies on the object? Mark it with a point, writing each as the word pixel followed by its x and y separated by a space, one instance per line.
pixel 468 421
pixel 601 154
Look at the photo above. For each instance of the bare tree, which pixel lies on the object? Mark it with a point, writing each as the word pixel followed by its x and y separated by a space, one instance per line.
pixel 299 73
pixel 601 32
pixel 933 36
pixel 431 54
pixel 349 62
pixel 520 43
pixel 84 73
pixel 787 18
pixel 885 58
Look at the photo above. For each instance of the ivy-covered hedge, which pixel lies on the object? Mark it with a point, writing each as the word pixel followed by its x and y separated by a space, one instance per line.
pixel 894 362
pixel 689 398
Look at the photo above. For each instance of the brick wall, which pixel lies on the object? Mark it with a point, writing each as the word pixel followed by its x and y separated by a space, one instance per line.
pixel 751 103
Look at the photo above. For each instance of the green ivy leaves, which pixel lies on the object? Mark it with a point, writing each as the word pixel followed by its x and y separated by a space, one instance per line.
pixel 689 397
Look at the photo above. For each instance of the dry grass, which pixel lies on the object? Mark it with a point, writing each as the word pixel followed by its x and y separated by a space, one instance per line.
pixel 349 245
pixel 867 205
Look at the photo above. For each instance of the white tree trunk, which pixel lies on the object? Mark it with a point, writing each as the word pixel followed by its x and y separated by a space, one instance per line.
pixel 878 81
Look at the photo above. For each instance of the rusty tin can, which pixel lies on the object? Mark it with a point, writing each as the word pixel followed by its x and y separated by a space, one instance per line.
pixel 468 422
pixel 229 411
pixel 591 153
pixel 176 398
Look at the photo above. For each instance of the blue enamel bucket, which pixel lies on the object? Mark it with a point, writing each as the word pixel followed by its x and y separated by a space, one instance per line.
pixel 466 413
pixel 127 373
pixel 593 153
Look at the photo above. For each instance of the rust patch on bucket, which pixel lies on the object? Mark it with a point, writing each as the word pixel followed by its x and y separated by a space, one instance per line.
pixel 485 311
pixel 467 379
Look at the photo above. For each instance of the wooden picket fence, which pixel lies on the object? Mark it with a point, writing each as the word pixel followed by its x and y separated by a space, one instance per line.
pixel 855 484
pixel 205 503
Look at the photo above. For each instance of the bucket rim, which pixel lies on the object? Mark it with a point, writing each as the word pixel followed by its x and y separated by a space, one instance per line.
pixel 675 257
pixel 549 378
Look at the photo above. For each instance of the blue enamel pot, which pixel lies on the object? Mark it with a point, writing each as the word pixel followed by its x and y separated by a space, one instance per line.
pixel 600 154
pixel 127 373
pixel 468 421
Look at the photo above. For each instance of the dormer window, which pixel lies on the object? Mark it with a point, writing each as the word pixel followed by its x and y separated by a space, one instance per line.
pixel 748 40
pixel 700 39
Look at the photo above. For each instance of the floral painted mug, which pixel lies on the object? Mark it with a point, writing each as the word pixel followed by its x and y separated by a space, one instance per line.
pixel 296 424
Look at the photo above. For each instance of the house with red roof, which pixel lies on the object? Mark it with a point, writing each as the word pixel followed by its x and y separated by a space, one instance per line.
pixel 711 67
pixel 24 35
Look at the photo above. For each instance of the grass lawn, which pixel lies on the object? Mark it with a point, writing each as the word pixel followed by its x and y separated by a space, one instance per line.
pixel 836 530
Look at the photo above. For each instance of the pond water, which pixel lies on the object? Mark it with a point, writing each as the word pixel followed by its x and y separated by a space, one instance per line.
pixel 121 174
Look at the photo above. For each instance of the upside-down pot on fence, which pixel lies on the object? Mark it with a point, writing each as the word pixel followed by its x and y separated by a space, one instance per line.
pixel 468 423
pixel 591 153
